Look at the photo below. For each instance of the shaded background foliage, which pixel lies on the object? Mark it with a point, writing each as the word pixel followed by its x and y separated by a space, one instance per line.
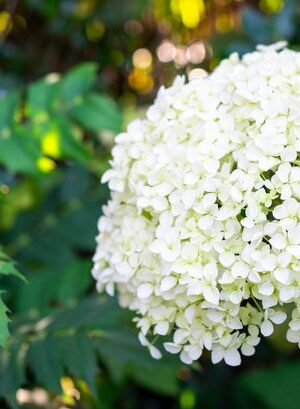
pixel 72 74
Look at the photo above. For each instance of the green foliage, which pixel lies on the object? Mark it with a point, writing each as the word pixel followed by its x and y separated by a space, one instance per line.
pixel 276 387
pixel 72 340
pixel 96 112
pixel 7 268
pixel 4 333
pixel 40 125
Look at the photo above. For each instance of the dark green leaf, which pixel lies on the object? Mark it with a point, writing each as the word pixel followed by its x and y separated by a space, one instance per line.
pixel 277 387
pixel 4 333
pixel 46 363
pixel 12 372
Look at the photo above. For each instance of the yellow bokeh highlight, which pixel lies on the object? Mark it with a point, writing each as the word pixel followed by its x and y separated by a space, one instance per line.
pixel 51 145
pixel 142 58
pixel 140 81
pixel 45 164
pixel 5 21
pixel 175 7
pixel 224 23
pixel 70 392
pixel 95 30
pixel 190 11
pixel 271 6
pixel 84 8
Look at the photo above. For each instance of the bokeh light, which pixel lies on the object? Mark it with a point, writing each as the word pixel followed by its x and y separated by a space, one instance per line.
pixel 95 30
pixel 181 56
pixel 140 81
pixel 142 59
pixel 5 21
pixel 196 53
pixel 197 73
pixel 190 11
pixel 166 52
pixel 271 6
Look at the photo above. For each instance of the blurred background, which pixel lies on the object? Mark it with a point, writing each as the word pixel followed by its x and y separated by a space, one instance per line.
pixel 72 74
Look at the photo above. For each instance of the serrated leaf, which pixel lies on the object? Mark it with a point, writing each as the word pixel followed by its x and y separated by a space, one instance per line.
pixel 8 268
pixel 77 355
pixel 54 356
pixel 45 363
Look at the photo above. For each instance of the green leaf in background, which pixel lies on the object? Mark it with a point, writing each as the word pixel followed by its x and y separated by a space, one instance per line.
pixel 7 268
pixel 124 356
pixel 46 363
pixel 43 128
pixel 55 356
pixel 4 333
pixel 78 80
pixel 275 388
pixel 18 152
pixel 12 372
pixel 71 341
pixel 43 97
pixel 97 112
pixel 58 138
pixel 8 109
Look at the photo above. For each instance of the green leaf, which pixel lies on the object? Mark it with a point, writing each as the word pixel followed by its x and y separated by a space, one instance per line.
pixel 78 356
pixel 78 80
pixel 12 372
pixel 124 356
pixel 160 376
pixel 73 280
pixel 98 112
pixel 18 152
pixel 42 98
pixel 8 268
pixel 58 138
pixel 54 356
pixel 71 141
pixel 118 345
pixel 4 333
pixel 45 363
pixel 277 387
pixel 70 342
pixel 8 107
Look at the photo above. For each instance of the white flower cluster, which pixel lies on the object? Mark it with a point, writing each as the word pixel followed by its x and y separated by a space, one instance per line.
pixel 201 236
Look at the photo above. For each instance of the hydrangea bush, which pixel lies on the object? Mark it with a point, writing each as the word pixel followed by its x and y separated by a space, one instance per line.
pixel 201 237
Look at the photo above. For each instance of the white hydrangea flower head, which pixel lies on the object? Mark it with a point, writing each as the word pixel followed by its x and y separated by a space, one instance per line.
pixel 201 237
